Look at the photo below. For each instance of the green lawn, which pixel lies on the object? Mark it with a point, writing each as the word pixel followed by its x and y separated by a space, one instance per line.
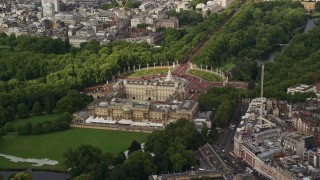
pixel 316 14
pixel 33 119
pixel 12 165
pixel 207 76
pixel 148 72
pixel 53 145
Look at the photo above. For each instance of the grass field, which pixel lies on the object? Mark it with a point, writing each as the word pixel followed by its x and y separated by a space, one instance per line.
pixel 207 76
pixel 53 145
pixel 316 14
pixel 148 72
pixel 34 119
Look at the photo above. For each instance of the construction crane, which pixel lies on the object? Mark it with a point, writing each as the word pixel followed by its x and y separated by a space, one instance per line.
pixel 123 8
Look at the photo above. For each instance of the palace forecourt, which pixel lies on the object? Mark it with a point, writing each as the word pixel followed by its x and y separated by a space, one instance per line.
pixel 141 104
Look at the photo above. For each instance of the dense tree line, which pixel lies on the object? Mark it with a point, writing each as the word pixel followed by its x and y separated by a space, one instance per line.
pixel 34 77
pixel 41 44
pixel 254 29
pixel 114 4
pixel 298 64
pixel 35 128
pixel 186 17
pixel 171 148
pixel 317 6
pixel 110 5
pixel 176 50
pixel 20 105
pixel 222 101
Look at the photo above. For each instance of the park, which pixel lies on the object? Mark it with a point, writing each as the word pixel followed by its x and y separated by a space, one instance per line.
pixel 54 145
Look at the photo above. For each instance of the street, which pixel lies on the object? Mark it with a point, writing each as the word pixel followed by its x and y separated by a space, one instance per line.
pixel 224 145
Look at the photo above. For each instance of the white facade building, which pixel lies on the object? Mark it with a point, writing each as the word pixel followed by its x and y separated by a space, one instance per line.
pixel 48 10
pixel 135 21
pixel 183 6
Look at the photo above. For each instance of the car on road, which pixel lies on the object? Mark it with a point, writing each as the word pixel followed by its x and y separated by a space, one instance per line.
pixel 232 126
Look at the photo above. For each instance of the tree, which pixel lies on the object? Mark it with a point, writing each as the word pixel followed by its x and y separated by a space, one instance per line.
pixel 317 6
pixel 142 26
pixel 4 115
pixel 135 4
pixel 11 113
pixel 83 177
pixel 139 165
pixel 73 101
pixel 66 117
pixel 21 176
pixel 171 146
pixel 64 125
pixel 2 132
pixel 9 127
pixel 23 111
pixel 87 159
pixel 120 158
pixel 49 104
pixel 45 127
pixel 36 110
pixel 55 126
pixel 25 128
pixel 178 162
pixel 223 114
pixel 113 4
pixel 35 128
pixel 135 146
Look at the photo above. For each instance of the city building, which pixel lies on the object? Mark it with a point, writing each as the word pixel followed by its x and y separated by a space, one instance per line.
pixel 203 119
pixel 268 150
pixel 225 3
pixel 143 111
pixel 159 89
pixel 312 103
pixel 297 143
pixel 312 157
pixel 143 104
pixel 68 19
pixel 136 20
pixel 76 40
pixel 309 5
pixel 183 6
pixel 303 88
pixel 56 4
pixel 105 16
pixel 48 10
pixel 146 6
pixel 172 22
pixel 308 123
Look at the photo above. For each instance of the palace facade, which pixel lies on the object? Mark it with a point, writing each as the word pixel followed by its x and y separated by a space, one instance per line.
pixel 158 89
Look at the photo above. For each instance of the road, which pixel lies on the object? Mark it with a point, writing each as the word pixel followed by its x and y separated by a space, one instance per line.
pixel 196 85
pixel 187 58
pixel 224 145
